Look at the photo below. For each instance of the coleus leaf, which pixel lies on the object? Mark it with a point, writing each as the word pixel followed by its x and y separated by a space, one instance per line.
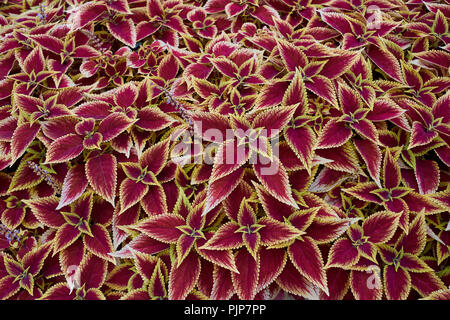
pixel 113 125
pixel 245 282
pixel 334 134
pixel 371 154
pixel 302 141
pixel 74 185
pixel 65 148
pixel 123 30
pixel 131 192
pixel 427 174
pixel 307 259
pixel 45 211
pixel 87 13
pixel 342 254
pixel 292 281
pixel 101 172
pixel 183 278
pixel 275 179
pixel 366 285
pixel 153 119
pixel 99 243
pixel 380 227
pixel 21 139
pixel 162 227
pixel 219 189
pixel 222 258
pixel 397 283
pixel 386 61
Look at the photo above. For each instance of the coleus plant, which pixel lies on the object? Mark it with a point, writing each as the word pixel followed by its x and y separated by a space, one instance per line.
pixel 211 149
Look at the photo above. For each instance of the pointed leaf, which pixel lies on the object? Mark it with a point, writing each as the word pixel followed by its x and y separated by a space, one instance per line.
pixel 101 172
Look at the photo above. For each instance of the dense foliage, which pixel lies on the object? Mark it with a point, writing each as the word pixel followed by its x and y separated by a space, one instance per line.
pixel 245 149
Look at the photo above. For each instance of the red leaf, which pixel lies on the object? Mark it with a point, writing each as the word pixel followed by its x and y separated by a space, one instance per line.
pixel 93 271
pixel 34 260
pixel 100 243
pixel 384 109
pixel 8 287
pixel 337 21
pixel 182 278
pixel 48 42
pixel 219 189
pixel 426 283
pixel 87 13
pixel 93 109
pixel 275 232
pixel 225 238
pixel 326 229
pixel 296 94
pixel 271 264
pixel 414 241
pixel 290 280
pixel 366 285
pixel 334 134
pixel 44 209
pixel 302 141
pixel 397 283
pixel 292 56
pixel 391 171
pixel 168 67
pixel 386 61
pixel 412 263
pixel 342 158
pixel 124 31
pixel 21 139
pixel 380 226
pixel 145 244
pixel 222 285
pixel 126 95
pixel 113 125
pixel 153 119
pixel 226 67
pixel 274 119
pixel 59 291
pixel 222 258
pixel 64 148
pixel 327 179
pixel 306 257
pixel 162 227
pixel 34 62
pixel 65 236
pixel 271 95
pixel 336 66
pixel 101 171
pixel 119 6
pixel 154 202
pixel 73 187
pixel 246 281
pixel 427 174
pixel 436 57
pixel 366 129
pixel 7 127
pixel 371 155
pixel 338 283
pixel 342 254
pixel 324 88
pixel 24 177
pixel 275 179
pixel 230 156
pixel 145 264
pixel 155 157
pixel 362 191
